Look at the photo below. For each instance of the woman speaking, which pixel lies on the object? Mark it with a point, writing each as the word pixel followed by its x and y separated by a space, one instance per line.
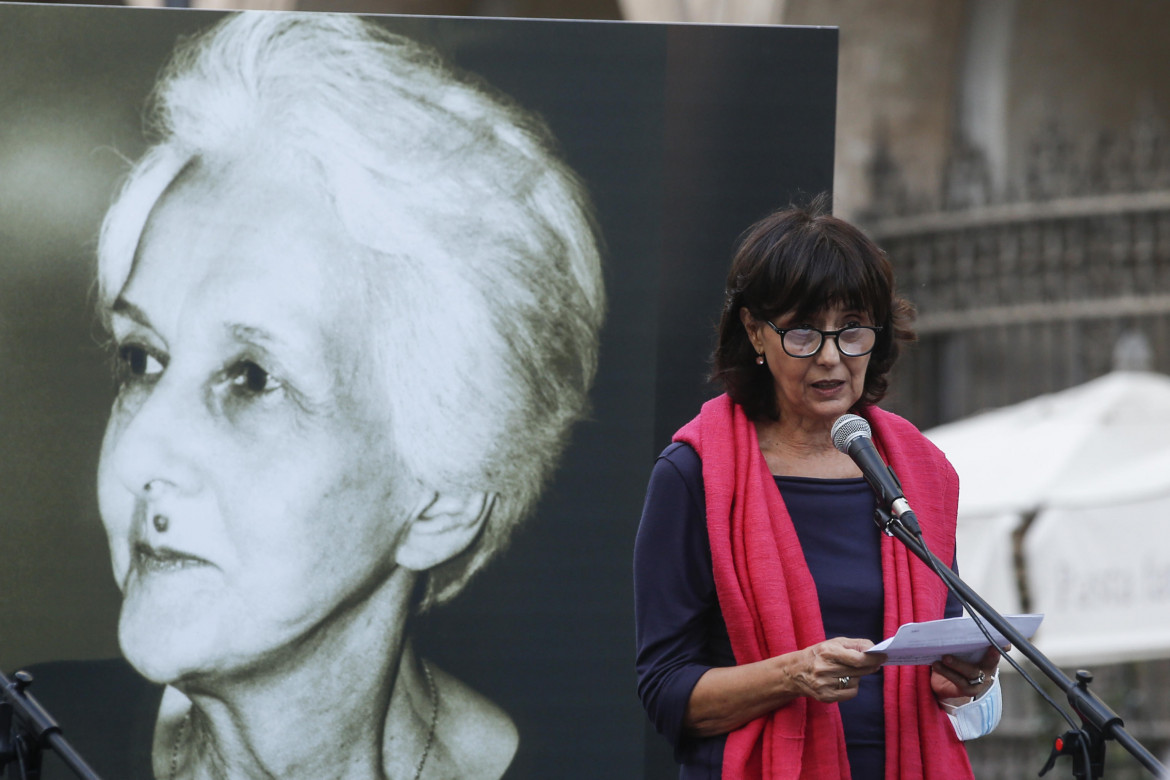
pixel 760 578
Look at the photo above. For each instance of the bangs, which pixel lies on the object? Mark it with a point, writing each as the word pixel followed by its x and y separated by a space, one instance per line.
pixel 804 280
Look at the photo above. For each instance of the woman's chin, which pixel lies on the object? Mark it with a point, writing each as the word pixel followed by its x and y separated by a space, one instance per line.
pixel 830 406
pixel 165 640
pixel 159 657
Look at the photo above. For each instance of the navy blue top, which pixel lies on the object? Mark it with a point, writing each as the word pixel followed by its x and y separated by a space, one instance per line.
pixel 680 628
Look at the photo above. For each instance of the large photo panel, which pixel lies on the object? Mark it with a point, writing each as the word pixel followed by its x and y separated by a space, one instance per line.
pixel 346 416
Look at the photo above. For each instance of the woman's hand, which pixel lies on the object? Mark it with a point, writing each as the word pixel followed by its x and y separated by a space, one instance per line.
pixel 725 698
pixel 954 678
pixel 831 670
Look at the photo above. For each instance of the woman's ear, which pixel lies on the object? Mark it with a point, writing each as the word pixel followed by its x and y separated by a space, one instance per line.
pixel 752 326
pixel 444 527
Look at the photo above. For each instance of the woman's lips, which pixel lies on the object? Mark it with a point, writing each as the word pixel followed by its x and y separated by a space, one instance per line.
pixel 163 559
pixel 829 385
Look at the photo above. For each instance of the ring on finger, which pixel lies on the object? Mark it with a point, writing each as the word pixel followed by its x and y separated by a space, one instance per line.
pixel 978 680
pixel 843 682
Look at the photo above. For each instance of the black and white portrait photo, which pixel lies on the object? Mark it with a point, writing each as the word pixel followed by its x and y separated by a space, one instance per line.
pixel 354 307
pixel 338 350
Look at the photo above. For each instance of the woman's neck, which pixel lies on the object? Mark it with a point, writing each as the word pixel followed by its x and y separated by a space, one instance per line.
pixel 351 700
pixel 803 448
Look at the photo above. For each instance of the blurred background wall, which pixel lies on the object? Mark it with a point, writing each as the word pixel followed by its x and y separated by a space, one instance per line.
pixel 1013 157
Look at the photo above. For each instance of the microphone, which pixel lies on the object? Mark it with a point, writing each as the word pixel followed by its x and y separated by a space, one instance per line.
pixel 853 436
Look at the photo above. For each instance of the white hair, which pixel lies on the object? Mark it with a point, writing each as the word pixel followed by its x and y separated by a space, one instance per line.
pixel 480 245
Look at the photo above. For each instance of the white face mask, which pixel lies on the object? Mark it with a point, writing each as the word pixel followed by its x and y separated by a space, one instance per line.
pixel 980 716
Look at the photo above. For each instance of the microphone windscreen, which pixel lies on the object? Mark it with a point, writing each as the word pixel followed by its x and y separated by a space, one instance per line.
pixel 847 428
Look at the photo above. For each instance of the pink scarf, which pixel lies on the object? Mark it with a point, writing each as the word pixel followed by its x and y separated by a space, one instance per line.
pixel 770 605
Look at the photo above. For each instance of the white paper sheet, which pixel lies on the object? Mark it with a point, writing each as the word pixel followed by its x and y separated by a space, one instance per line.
pixel 925 643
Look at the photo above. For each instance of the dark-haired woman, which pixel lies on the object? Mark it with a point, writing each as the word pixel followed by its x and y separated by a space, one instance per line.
pixel 760 578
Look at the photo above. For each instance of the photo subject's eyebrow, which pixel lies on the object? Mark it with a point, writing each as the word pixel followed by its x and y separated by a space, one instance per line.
pixel 251 334
pixel 291 349
pixel 291 346
pixel 130 311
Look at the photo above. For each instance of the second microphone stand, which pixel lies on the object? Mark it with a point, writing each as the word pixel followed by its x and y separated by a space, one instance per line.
pixel 26 729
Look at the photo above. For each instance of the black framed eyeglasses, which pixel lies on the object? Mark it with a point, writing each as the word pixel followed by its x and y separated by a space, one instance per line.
pixel 804 342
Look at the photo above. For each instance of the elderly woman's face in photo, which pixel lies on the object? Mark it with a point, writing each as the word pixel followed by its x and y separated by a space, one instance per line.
pixel 245 483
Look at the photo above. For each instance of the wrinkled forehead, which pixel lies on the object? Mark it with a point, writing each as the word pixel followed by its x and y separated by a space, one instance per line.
pixel 213 202
pixel 244 242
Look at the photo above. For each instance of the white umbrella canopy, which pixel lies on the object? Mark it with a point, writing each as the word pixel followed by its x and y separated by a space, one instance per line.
pixel 1101 575
pixel 1066 448
pixel 1091 465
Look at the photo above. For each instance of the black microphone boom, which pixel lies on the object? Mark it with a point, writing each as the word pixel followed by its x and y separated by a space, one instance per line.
pixel 853 436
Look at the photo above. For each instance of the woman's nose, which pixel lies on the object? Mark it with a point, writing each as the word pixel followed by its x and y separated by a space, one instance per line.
pixel 829 354
pixel 151 441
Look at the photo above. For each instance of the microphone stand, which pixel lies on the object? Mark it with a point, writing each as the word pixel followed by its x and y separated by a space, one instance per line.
pixel 1098 722
pixel 26 728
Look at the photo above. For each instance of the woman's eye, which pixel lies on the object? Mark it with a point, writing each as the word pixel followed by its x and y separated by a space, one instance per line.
pixel 250 379
pixel 135 362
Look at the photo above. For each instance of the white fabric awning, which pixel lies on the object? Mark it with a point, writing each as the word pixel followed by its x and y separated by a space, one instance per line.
pixel 1091 465
pixel 1102 576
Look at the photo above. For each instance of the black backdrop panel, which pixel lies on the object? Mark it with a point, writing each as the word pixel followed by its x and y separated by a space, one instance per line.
pixel 684 134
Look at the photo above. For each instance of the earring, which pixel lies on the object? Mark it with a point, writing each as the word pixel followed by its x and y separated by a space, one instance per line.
pixel 161 523
pixel 760 359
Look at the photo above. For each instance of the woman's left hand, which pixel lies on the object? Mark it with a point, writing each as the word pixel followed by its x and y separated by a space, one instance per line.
pixel 953 678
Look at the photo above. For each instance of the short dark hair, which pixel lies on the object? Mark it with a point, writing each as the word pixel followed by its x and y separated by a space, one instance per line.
pixel 802 260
